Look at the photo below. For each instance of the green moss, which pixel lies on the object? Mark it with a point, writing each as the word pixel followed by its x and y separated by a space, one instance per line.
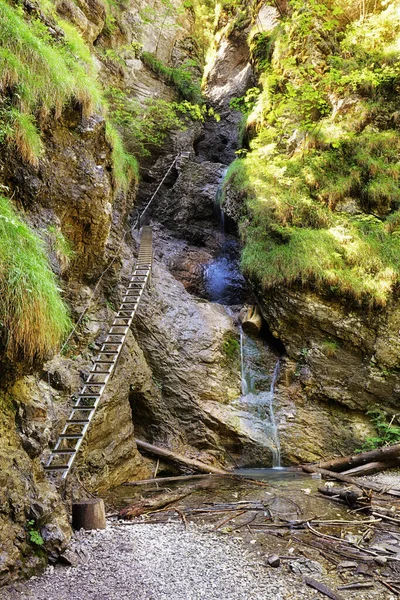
pixel 33 317
pixel 182 78
pixel 230 347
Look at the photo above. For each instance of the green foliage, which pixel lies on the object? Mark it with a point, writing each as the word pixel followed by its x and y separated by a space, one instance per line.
pixel 246 103
pixel 145 126
pixel 61 246
pixel 182 78
pixel 34 534
pixel 320 182
pixel 329 348
pixel 40 74
pixel 33 317
pixel 388 432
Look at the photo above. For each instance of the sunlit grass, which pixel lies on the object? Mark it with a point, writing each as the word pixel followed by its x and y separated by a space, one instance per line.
pixel 33 316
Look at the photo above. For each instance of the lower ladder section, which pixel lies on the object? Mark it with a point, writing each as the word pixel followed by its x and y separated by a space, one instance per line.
pixel 63 455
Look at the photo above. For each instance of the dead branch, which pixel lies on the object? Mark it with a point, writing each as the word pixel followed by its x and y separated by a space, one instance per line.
pixel 144 506
pixel 350 480
pixel 197 465
pixel 321 587
pixel 389 456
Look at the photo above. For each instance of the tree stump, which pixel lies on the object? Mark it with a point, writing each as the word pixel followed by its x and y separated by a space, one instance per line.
pixel 252 320
pixel 89 514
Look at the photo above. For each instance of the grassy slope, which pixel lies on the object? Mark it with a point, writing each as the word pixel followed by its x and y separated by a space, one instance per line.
pixel 321 180
pixel 41 70
pixel 32 313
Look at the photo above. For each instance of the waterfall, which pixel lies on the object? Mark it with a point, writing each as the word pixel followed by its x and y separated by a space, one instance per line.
pixel 276 452
pixel 260 403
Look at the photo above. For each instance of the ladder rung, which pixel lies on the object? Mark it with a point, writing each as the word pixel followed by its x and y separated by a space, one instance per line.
pixel 70 436
pixel 85 408
pixel 100 372
pixel 89 395
pixel 104 362
pixel 68 451
pixel 77 421
pixel 56 468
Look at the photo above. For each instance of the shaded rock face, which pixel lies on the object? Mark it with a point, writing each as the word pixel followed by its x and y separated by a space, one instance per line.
pixel 196 411
pixel 349 357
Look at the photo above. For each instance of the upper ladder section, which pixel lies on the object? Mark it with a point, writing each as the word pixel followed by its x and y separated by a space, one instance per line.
pixel 63 455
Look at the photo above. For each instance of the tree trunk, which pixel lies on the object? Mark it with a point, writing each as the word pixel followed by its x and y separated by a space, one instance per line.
pixel 188 462
pixel 89 514
pixel 368 469
pixel 350 480
pixel 390 455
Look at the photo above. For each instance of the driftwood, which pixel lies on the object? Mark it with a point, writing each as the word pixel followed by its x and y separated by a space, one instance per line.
pixel 389 456
pixel 178 458
pixel 368 469
pixel 321 587
pixel 350 480
pixel 351 496
pixel 162 480
pixel 150 505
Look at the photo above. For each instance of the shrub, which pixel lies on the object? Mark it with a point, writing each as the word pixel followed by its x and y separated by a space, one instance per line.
pixel 388 432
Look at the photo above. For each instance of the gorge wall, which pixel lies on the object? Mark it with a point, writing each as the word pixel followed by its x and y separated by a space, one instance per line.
pixel 178 379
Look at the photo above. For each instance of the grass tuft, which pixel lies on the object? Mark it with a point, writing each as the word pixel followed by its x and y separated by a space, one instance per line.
pixel 40 74
pixel 33 317
pixel 126 167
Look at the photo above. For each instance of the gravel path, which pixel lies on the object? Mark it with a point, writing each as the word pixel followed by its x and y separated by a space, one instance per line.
pixel 162 562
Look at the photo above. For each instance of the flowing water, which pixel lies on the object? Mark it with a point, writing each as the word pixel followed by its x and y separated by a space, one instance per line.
pixel 225 284
pixel 260 402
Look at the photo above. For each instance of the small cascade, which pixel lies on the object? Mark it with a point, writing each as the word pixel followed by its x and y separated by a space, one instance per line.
pixel 276 455
pixel 223 280
pixel 259 402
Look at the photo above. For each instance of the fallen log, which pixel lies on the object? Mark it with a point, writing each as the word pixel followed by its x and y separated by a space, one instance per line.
pixel 388 455
pixel 162 480
pixel 252 320
pixel 350 480
pixel 197 465
pixel 368 469
pixel 149 505
pixel 351 496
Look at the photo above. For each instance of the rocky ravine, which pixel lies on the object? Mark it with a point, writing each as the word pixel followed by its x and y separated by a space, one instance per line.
pixel 175 384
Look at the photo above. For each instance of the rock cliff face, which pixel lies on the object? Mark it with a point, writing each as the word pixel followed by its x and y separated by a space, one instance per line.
pixel 72 188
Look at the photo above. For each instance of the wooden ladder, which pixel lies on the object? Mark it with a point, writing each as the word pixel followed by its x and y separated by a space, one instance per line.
pixel 63 455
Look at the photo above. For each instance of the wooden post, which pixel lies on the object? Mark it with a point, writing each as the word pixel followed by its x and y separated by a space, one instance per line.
pixel 252 320
pixel 89 514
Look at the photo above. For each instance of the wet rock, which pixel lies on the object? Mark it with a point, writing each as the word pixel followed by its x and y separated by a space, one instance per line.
pixel 274 560
pixel 190 203
pixel 306 566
